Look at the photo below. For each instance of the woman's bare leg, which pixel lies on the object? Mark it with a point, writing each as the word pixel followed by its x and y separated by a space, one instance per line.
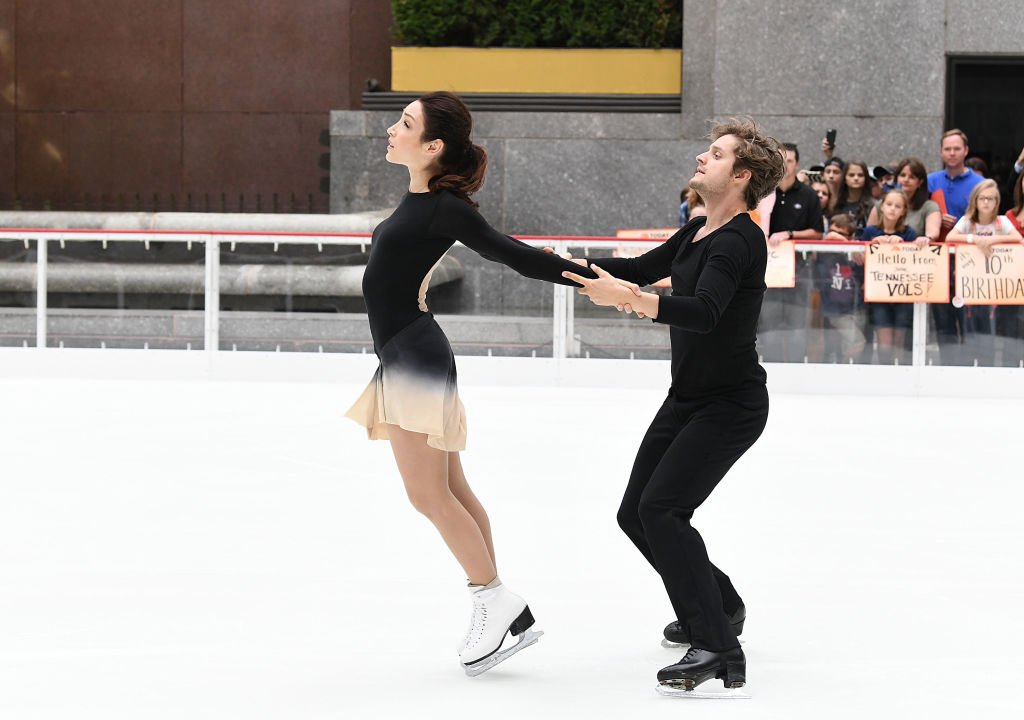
pixel 424 471
pixel 462 492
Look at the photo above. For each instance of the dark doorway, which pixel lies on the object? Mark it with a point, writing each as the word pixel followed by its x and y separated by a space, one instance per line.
pixel 984 99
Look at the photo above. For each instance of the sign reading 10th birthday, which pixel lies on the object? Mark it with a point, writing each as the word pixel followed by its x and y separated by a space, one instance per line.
pixel 904 272
pixel 994 280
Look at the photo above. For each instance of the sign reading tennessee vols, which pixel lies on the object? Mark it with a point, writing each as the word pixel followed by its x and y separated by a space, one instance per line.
pixel 905 273
pixel 994 280
pixel 781 269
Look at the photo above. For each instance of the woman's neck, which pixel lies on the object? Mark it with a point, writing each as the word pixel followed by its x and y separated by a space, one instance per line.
pixel 419 180
pixel 989 220
pixel 854 194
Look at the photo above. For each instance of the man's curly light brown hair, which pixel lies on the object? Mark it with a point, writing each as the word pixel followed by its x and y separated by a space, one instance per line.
pixel 761 154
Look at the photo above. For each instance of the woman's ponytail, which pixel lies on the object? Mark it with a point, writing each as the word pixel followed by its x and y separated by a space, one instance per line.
pixel 463 163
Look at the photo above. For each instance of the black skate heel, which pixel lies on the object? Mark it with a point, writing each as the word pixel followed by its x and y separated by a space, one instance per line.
pixel 522 623
pixel 733 673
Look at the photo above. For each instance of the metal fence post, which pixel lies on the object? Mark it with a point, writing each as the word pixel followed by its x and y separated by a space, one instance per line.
pixel 211 308
pixel 41 263
pixel 920 334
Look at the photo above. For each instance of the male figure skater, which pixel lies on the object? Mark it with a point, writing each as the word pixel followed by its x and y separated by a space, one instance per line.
pixel 717 405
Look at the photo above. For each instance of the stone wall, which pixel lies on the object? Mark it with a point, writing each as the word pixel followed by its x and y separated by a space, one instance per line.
pixel 874 71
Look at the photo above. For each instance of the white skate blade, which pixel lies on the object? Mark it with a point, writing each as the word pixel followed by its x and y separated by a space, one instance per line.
pixel 527 639
pixel 701 694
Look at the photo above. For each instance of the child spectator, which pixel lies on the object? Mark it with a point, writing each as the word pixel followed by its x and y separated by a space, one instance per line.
pixel 982 225
pixel 891 320
pixel 839 277
pixel 824 193
pixel 854 197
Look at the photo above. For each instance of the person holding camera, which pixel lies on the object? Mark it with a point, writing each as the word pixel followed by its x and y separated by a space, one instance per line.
pixel 785 314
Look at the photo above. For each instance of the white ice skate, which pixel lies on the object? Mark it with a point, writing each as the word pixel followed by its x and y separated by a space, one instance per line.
pixel 497 613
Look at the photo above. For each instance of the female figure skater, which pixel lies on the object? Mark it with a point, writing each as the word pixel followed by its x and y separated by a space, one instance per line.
pixel 413 399
pixel 717 405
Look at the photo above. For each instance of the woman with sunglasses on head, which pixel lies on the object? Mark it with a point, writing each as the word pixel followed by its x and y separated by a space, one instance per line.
pixel 413 399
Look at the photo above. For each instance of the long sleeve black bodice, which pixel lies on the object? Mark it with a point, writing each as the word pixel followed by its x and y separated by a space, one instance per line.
pixel 408 245
pixel 717 288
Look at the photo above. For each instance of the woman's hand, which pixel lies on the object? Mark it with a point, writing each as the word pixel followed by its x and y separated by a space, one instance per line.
pixel 606 290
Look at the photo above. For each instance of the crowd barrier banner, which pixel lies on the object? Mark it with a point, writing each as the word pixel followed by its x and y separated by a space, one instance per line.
pixel 906 273
pixel 781 269
pixel 994 280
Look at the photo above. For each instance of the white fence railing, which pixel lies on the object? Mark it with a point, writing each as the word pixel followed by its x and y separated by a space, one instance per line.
pixel 563 317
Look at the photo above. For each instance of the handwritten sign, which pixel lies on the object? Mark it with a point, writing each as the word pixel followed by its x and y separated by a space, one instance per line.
pixel 905 273
pixel 781 269
pixel 994 280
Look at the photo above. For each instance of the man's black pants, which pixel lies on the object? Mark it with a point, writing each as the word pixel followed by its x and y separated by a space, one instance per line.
pixel 687 450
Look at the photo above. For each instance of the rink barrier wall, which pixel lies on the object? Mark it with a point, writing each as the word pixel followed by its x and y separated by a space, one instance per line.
pixel 564 342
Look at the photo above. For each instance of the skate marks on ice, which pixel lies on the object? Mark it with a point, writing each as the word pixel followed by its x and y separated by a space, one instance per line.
pixel 693 693
pixel 528 638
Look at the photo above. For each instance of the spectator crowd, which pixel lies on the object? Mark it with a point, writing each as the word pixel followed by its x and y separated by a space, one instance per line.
pixel 824 316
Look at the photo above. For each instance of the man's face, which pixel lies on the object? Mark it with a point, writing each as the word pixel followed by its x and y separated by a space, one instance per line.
pixel 954 151
pixel 715 167
pixel 790 166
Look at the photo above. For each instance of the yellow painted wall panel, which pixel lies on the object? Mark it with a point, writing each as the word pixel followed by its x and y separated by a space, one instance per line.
pixel 536 70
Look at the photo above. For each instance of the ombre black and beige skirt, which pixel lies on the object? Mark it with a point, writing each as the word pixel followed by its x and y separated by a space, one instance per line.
pixel 415 388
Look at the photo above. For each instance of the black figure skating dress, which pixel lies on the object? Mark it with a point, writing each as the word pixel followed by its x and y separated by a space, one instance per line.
pixel 415 384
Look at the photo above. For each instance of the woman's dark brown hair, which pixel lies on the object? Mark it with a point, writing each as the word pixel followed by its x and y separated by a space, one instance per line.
pixel 463 164
pixel 917 169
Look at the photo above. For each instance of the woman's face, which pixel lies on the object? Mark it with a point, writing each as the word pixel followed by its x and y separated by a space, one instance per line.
pixel 832 173
pixel 855 177
pixel 824 194
pixel 405 139
pixel 909 181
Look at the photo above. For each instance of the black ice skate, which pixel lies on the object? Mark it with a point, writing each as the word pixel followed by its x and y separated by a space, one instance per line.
pixel 675 635
pixel 698 666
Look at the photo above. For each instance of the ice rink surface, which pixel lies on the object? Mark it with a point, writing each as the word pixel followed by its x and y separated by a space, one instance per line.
pixel 178 544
